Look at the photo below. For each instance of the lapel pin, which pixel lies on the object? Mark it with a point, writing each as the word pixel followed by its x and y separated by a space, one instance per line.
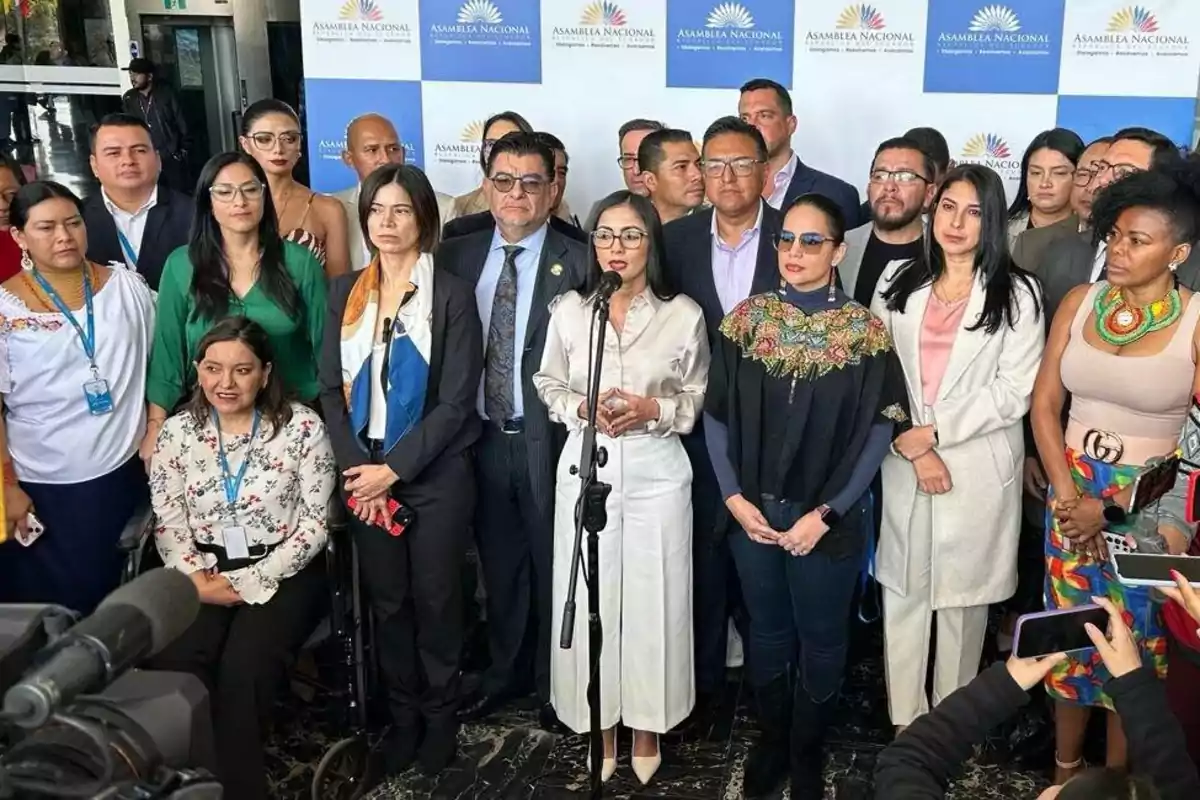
pixel 556 270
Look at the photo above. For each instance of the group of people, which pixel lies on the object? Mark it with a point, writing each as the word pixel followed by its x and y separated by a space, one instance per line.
pixel 796 388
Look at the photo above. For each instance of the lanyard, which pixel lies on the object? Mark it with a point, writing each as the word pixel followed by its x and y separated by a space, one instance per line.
pixel 127 247
pixel 233 483
pixel 87 338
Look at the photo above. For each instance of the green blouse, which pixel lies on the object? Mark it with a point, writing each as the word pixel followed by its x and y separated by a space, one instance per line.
pixel 296 344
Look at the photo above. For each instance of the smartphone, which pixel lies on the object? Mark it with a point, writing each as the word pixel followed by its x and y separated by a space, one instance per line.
pixel 1058 631
pixel 401 515
pixel 1152 483
pixel 33 530
pixel 1117 543
pixel 1154 569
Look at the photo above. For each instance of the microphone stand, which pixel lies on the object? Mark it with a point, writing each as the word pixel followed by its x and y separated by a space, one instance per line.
pixel 590 515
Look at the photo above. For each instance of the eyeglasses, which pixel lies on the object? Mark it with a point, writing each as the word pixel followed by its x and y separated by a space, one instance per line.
pixel 741 167
pixel 627 162
pixel 531 184
pixel 1083 176
pixel 897 176
pixel 265 140
pixel 1119 171
pixel 810 243
pixel 631 238
pixel 226 192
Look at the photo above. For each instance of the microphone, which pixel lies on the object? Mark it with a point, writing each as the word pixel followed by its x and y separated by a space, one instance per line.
pixel 609 283
pixel 136 621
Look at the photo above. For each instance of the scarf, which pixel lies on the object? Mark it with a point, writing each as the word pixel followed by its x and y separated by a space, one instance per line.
pixel 408 358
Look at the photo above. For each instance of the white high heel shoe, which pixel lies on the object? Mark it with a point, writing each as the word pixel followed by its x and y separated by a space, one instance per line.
pixel 645 766
pixel 608 766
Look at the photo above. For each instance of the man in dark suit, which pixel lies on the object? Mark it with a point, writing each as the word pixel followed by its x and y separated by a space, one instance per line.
pixel 1076 259
pixel 132 220
pixel 516 269
pixel 719 256
pixel 155 104
pixel 484 221
pixel 767 106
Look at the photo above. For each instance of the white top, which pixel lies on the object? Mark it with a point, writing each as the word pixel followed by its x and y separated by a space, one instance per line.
pixel 377 415
pixel 52 436
pixel 782 181
pixel 661 353
pixel 282 502
pixel 1098 261
pixel 133 226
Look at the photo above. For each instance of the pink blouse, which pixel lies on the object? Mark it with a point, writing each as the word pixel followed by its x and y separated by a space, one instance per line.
pixel 938 329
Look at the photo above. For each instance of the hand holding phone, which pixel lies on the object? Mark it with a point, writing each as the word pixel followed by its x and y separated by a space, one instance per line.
pixel 1056 631
pixel 1119 650
pixel 1029 672
pixel 398 518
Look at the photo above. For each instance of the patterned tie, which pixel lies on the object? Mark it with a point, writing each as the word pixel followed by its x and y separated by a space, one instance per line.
pixel 502 342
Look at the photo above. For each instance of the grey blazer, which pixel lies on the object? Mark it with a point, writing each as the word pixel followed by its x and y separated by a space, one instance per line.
pixel 1030 246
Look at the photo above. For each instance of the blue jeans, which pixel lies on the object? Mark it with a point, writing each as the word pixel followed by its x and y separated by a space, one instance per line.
pixel 799 607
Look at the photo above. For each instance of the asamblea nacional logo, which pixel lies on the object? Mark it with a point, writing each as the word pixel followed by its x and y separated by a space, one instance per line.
pixel 1133 32
pixel 480 22
pixel 991 150
pixel 860 28
pixel 361 22
pixel 604 25
pixel 721 45
pixel 994 30
pixel 463 150
pixel 730 27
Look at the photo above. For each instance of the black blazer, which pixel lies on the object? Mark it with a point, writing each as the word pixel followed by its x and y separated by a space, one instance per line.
pixel 464 256
pixel 450 424
pixel 484 221
pixel 806 180
pixel 168 226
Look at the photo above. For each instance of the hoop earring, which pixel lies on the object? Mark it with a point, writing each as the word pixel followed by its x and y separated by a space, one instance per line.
pixel 833 283
pixel 26 260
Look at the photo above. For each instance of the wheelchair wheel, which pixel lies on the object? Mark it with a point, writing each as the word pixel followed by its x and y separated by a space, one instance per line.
pixel 344 773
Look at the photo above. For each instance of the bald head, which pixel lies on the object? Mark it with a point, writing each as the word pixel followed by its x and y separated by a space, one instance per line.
pixel 371 142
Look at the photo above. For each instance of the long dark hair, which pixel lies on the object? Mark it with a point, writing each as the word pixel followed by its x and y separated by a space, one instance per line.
pixel 206 250
pixel 271 401
pixel 1060 140
pixel 420 191
pixel 1173 190
pixel 993 264
pixel 656 272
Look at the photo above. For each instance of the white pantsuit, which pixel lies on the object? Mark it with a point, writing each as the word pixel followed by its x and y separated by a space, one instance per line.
pixel 646 672
pixel 954 553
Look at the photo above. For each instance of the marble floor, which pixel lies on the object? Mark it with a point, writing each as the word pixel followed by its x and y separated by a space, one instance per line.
pixel 509 757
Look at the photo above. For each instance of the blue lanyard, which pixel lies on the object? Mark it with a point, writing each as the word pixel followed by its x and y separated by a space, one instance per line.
pixel 127 247
pixel 88 338
pixel 233 483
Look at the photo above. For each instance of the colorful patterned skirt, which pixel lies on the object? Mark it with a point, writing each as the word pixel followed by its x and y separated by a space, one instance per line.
pixel 1072 579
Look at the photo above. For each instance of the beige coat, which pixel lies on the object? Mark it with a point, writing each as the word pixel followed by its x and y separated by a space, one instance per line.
pixel 984 395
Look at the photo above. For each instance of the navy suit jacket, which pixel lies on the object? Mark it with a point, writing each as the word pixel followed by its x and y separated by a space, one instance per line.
pixel 167 227
pixel 807 180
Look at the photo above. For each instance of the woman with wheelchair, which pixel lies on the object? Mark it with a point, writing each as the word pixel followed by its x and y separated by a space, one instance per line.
pixel 240 483
pixel 400 372
pixel 73 343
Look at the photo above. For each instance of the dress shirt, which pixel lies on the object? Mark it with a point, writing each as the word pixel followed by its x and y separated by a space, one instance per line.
pixel 733 267
pixel 1098 262
pixel 782 180
pixel 662 353
pixel 132 226
pixel 485 293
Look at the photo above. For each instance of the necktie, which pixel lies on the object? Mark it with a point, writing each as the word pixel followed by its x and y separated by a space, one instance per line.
pixel 502 342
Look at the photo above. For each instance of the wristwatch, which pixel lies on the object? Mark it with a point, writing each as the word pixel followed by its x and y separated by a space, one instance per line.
pixel 829 516
pixel 1114 512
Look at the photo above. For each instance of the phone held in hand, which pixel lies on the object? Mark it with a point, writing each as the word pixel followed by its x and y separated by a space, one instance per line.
pixel 1059 631
pixel 1154 569
pixel 1153 482
pixel 400 516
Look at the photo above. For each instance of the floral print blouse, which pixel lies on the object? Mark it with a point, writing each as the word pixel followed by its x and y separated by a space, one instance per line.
pixel 282 503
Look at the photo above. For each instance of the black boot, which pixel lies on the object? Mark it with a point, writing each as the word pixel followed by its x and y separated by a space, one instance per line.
pixel 810 720
pixel 767 764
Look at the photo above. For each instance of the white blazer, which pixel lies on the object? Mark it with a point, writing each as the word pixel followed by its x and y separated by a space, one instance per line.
pixel 982 399
pixel 359 254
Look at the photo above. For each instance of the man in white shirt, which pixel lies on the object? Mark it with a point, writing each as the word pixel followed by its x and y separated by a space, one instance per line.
pixel 372 142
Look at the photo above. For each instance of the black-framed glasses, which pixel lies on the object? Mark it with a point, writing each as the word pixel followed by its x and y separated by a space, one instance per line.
pixel 741 167
pixel 627 162
pixel 810 243
pixel 1119 171
pixel 251 191
pixel 531 184
pixel 1084 176
pixel 265 140
pixel 631 238
pixel 902 176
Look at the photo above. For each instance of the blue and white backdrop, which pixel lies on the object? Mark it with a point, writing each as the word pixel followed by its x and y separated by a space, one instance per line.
pixel 990 75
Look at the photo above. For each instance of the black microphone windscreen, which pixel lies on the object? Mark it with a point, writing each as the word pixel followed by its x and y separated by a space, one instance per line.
pixel 609 283
pixel 166 597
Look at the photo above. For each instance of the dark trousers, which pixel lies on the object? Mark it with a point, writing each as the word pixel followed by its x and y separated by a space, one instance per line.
pixel 1183 693
pixel 243 653
pixel 413 584
pixel 799 608
pixel 515 541
pixel 76 562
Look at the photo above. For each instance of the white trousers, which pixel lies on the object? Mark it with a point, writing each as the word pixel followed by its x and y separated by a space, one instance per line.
pixel 647 679
pixel 907 625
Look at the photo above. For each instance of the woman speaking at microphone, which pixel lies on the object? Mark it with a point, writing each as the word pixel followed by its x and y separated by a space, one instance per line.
pixel 652 390
pixel 400 371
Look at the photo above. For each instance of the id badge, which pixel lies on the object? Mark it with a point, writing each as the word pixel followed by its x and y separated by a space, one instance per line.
pixel 236 546
pixel 99 398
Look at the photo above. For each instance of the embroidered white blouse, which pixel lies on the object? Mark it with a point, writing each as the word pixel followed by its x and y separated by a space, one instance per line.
pixel 282 503
pixel 52 436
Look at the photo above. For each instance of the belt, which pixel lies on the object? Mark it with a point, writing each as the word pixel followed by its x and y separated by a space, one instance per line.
pixel 226 564
pixel 510 427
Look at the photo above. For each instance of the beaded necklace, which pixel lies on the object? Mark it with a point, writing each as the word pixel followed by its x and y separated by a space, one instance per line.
pixel 1119 323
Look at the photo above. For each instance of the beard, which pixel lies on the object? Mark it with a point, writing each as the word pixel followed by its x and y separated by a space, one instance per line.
pixel 896 220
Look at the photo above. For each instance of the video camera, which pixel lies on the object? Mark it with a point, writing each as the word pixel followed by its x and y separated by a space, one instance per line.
pixel 76 723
